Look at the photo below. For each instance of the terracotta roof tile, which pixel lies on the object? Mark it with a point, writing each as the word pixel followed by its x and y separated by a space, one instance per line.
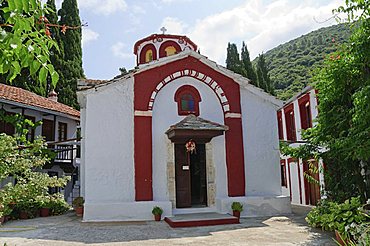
pixel 19 95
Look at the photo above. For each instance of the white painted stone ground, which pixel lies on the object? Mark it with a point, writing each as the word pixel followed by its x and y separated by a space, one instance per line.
pixel 68 230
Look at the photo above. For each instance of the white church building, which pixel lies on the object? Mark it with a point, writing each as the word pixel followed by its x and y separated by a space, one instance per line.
pixel 180 132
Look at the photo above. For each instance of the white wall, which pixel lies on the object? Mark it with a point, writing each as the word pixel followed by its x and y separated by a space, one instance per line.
pixel 165 114
pixel 294 182
pixel 71 127
pixel 261 146
pixel 109 148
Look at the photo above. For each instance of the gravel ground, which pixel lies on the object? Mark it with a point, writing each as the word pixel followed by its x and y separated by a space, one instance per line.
pixel 69 230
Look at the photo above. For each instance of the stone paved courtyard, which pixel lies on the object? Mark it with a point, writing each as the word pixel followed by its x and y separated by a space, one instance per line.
pixel 68 230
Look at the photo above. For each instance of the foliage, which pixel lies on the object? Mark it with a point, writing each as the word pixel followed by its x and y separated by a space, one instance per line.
pixel 157 210
pixel 243 66
pixel 291 65
pixel 263 76
pixel 58 205
pixel 341 135
pixel 359 233
pixel 5 210
pixel 237 206
pixel 71 42
pixel 23 43
pixel 24 163
pixel 332 216
pixel 248 70
pixel 78 202
pixel 233 59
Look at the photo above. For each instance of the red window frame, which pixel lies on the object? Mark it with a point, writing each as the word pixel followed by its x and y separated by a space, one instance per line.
pixel 187 90
pixel 305 111
pixel 290 122
pixel 144 50
pixel 280 125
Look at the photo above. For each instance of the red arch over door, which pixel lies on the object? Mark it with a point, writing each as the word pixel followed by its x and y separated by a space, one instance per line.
pixel 145 84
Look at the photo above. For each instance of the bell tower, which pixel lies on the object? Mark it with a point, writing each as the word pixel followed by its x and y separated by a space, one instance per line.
pixel 157 46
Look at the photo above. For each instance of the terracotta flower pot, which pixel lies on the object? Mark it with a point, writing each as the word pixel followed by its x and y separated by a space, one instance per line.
pixel 23 215
pixel 236 214
pixel 79 211
pixel 157 217
pixel 44 212
pixel 338 238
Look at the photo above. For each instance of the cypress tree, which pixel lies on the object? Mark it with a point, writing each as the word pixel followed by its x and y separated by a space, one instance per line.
pixel 56 56
pixel 247 65
pixel 72 65
pixel 263 78
pixel 233 62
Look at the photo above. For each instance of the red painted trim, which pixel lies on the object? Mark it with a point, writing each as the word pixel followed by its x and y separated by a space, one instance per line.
pixel 143 53
pixel 162 52
pixel 299 182
pixel 152 37
pixel 143 158
pixel 290 180
pixel 235 157
pixel 147 81
pixel 187 89
pixel 280 125
pixel 193 223
pixel 306 122
pixel 290 122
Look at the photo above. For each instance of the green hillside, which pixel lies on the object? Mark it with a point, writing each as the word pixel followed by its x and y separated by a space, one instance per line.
pixel 291 64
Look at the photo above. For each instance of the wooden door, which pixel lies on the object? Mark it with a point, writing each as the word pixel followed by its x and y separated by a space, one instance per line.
pixel 183 182
pixel 198 176
pixel 312 190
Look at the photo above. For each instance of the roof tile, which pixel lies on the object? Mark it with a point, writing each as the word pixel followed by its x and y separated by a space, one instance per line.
pixel 19 95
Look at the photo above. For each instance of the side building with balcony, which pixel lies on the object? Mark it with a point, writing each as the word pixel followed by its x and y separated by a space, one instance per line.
pixel 60 126
pixel 298 114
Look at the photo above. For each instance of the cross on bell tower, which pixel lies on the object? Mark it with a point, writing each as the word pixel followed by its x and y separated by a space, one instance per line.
pixel 163 29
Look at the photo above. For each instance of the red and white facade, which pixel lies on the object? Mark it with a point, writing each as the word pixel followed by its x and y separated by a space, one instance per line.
pixel 296 115
pixel 130 163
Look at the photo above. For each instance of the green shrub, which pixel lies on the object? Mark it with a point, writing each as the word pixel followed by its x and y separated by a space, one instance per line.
pixel 332 216
pixel 157 210
pixel 58 205
pixel 237 206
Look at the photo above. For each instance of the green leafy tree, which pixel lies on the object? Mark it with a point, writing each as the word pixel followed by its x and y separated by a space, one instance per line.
pixel 247 65
pixel 22 160
pixel 72 66
pixel 341 136
pixel 24 42
pixel 263 78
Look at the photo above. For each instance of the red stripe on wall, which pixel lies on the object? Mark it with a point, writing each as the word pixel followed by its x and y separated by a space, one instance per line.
pixel 235 157
pixel 143 158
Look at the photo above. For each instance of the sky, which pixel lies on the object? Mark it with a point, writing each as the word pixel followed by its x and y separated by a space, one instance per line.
pixel 115 25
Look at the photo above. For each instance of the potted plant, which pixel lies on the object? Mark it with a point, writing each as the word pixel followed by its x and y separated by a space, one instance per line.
pixel 157 212
pixel 44 205
pixel 5 211
pixel 78 204
pixel 237 208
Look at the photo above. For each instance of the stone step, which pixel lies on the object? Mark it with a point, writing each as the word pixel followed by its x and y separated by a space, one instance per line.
pixel 201 219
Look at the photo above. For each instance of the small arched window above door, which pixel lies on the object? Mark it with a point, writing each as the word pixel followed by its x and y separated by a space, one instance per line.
pixel 187 98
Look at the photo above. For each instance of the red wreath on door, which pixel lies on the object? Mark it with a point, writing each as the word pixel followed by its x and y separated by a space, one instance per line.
pixel 191 146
